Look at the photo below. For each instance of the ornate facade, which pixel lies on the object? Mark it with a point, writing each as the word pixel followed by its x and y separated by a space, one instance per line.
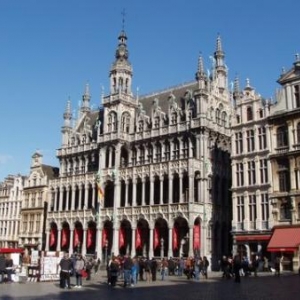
pixel 10 206
pixel 163 161
pixel 284 123
pixel 34 204
pixel 251 172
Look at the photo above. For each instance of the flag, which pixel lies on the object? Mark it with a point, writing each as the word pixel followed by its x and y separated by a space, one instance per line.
pixel 121 237
pixel 156 238
pixel 52 237
pixel 197 237
pixel 138 238
pixel 175 238
pixel 100 189
pixel 64 237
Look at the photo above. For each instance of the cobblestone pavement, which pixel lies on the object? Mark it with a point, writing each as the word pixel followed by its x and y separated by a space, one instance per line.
pixel 263 287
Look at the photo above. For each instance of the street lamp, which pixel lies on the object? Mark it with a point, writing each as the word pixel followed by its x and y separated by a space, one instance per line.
pixel 161 248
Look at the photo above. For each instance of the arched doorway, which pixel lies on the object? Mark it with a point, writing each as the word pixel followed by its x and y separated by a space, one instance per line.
pixel 65 237
pixel 91 238
pixel 161 239
pixel 78 237
pixel 107 240
pixel 142 238
pixel 125 237
pixel 53 237
pixel 180 237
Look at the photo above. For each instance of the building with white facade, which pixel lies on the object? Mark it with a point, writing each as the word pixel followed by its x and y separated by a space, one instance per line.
pixel 10 206
pixel 35 197
pixel 284 126
pixel 162 160
pixel 251 172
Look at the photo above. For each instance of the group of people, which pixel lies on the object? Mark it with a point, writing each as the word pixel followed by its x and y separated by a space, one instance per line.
pixel 76 266
pixel 133 269
pixel 6 268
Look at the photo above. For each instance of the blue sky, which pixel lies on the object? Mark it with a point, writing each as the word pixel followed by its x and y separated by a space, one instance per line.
pixel 49 50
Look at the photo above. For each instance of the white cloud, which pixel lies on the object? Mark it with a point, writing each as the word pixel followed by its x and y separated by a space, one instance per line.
pixel 4 159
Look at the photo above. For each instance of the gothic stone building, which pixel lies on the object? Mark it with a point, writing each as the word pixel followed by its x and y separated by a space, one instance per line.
pixel 163 161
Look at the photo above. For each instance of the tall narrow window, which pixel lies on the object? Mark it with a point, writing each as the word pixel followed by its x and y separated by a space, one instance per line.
pixel 176 149
pixel 240 174
pixel 250 140
pixel 249 113
pixel 283 175
pixel 158 152
pixel 282 136
pixel 264 207
pixel 263 170
pixel 239 142
pixel 167 151
pixel 297 95
pixel 240 209
pixel 185 148
pixel 252 208
pixel 298 133
pixel 251 172
pixel 262 138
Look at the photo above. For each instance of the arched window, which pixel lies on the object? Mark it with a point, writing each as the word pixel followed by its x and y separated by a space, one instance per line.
pixel 218 119
pixel 282 136
pixel 125 122
pixel 249 113
pixel 223 119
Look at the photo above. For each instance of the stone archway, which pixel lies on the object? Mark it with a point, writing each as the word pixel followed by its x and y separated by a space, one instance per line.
pixel 65 236
pixel 125 238
pixel 78 237
pixel 142 238
pixel 53 237
pixel 91 238
pixel 180 243
pixel 161 238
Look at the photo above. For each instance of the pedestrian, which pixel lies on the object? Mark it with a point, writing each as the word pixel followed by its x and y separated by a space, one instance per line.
pixel 277 266
pixel 66 266
pixel 113 271
pixel 134 271
pixel 9 268
pixel 236 268
pixel 2 267
pixel 205 266
pixel 153 269
pixel 79 267
pixel 127 265
pixel 97 265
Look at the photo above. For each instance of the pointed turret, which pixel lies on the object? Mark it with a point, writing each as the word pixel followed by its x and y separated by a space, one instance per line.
pixel 67 127
pixel 86 98
pixel 201 76
pixel 236 88
pixel 121 70
pixel 220 67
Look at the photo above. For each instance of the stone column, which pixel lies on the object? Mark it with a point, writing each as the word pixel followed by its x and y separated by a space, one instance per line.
pixel 170 250
pixel 133 250
pixel 83 250
pixel 161 200
pixel 71 241
pixel 151 233
pixel 133 191
pixel 58 245
pixel 47 240
pixel 170 188
pixel 180 188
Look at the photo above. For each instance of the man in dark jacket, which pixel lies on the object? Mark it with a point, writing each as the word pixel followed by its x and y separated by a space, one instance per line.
pixel 2 267
pixel 66 266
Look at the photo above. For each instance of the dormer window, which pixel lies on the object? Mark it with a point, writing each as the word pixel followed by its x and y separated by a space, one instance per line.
pixel 141 126
pixel 174 118
pixel 297 95
pixel 249 114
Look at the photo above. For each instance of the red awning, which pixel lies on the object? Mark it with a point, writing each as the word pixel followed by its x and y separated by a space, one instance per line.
pixel 284 240
pixel 252 237
pixel 11 250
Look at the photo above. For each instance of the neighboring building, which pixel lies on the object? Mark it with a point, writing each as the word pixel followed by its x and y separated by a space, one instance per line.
pixel 10 205
pixel 251 172
pixel 163 161
pixel 34 204
pixel 284 123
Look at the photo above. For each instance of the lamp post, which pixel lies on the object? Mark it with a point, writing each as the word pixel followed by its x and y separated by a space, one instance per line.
pixel 161 248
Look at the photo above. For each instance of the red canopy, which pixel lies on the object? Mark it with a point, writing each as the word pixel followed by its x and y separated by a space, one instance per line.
pixel 11 250
pixel 284 239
